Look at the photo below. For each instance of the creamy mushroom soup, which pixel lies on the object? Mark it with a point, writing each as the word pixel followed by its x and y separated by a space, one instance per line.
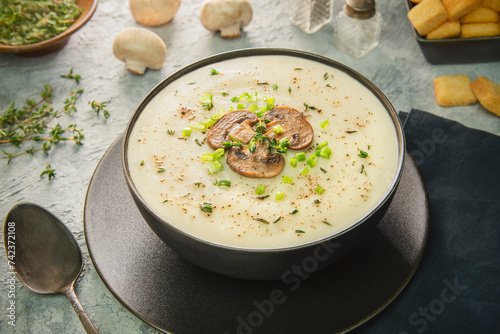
pixel 322 189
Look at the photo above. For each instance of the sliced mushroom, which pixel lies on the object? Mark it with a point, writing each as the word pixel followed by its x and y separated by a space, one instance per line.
pixel 236 123
pixel 295 127
pixel 259 164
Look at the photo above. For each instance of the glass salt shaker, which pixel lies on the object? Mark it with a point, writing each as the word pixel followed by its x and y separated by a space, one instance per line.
pixel 357 28
pixel 311 15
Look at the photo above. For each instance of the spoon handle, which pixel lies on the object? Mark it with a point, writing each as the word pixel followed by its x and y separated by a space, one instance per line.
pixel 84 318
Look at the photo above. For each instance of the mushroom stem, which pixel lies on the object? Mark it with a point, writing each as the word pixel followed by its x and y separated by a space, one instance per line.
pixel 135 66
pixel 231 31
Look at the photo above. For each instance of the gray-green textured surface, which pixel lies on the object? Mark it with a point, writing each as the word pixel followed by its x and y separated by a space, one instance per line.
pixel 396 66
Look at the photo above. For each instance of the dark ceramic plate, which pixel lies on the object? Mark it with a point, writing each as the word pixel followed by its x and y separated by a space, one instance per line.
pixel 458 50
pixel 176 296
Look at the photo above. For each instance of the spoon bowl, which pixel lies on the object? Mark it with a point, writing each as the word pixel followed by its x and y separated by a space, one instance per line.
pixel 47 258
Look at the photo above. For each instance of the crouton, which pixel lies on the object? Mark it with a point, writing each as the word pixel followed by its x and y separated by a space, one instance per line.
pixel 458 8
pixel 479 30
pixel 488 93
pixel 427 16
pixel 449 29
pixel 481 15
pixel 454 90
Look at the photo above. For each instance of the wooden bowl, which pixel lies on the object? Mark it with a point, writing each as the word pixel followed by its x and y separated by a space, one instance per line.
pixel 57 42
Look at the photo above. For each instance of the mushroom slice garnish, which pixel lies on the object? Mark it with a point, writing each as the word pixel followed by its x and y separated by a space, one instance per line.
pixel 238 123
pixel 259 164
pixel 294 126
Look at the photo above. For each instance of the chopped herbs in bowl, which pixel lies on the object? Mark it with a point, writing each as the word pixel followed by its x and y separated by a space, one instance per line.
pixel 41 26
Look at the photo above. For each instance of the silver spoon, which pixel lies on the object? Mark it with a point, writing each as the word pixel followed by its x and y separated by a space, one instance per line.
pixel 46 256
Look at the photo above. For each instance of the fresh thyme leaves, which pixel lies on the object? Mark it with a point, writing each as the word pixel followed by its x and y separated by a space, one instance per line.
pixel 299 231
pixel 263 197
pixel 206 207
pixel 363 154
pixel 98 107
pixel 34 123
pixel 262 220
pixel 351 131
pixel 71 75
pixel 363 170
pixel 326 223
pixel 171 132
pixel 28 22
pixel 31 123
pixel 294 211
pixel 49 172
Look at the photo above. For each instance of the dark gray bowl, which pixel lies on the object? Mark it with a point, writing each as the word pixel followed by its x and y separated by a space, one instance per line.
pixel 286 263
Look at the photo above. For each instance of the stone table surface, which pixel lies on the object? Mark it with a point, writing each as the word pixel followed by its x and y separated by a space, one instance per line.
pixel 397 66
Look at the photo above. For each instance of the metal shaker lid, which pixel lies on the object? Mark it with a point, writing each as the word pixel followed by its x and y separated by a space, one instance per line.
pixel 360 9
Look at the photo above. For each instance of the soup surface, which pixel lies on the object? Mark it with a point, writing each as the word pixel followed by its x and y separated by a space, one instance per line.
pixel 177 179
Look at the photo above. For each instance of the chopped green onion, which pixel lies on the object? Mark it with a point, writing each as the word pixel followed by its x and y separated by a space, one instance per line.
pixel 275 87
pixel 312 160
pixel 235 98
pixel 206 101
pixel 260 189
pixel 253 108
pixel 215 167
pixel 325 153
pixel 323 144
pixel 142 163
pixel 224 183
pixel 278 129
pixel 287 179
pixel 186 132
pixel 300 156
pixel 293 162
pixel 201 126
pixel 319 189
pixel 270 103
pixel 324 124
pixel 304 171
pixel 279 196
pixel 250 97
pixel 207 157
pixel 214 72
pixel 219 153
pixel 240 106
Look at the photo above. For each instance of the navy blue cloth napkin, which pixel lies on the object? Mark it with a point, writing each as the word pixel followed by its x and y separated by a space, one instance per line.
pixel 456 288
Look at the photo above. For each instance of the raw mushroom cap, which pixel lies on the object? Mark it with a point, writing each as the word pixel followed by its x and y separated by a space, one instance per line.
pixel 153 12
pixel 230 122
pixel 295 126
pixel 140 48
pixel 228 16
pixel 259 164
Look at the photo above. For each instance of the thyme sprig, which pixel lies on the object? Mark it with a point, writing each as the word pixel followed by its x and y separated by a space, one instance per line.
pixel 31 123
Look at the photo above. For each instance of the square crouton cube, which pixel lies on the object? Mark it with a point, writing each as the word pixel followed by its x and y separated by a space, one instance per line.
pixel 491 4
pixel 488 93
pixel 449 29
pixel 454 90
pixel 458 8
pixel 481 15
pixel 480 30
pixel 427 16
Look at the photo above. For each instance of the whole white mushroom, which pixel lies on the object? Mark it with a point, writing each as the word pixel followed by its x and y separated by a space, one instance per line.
pixel 153 12
pixel 228 16
pixel 140 48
